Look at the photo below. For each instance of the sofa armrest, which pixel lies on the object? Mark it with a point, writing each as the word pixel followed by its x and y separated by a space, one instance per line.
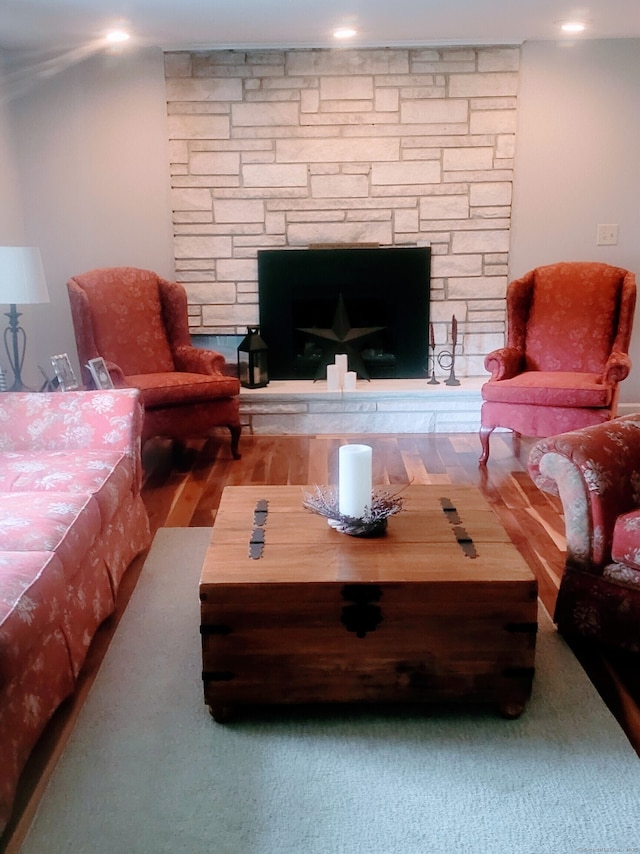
pixel 560 476
pixel 504 363
pixel 74 420
pixel 197 361
pixel 617 368
pixel 596 473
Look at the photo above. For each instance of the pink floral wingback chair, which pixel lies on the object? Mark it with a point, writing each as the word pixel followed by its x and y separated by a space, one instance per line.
pixel 138 323
pixel 568 331
pixel 596 473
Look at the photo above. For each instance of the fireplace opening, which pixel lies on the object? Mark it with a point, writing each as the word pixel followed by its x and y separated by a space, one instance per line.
pixel 372 304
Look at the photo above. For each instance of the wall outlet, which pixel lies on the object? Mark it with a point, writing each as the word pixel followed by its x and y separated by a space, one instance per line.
pixel 607 235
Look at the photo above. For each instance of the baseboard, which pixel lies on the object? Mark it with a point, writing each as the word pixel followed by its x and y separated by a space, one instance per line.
pixel 628 408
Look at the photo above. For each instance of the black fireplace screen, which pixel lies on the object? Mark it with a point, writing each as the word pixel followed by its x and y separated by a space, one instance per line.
pixel 372 304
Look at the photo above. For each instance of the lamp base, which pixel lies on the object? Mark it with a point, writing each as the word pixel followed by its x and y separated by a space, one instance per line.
pixel 15 335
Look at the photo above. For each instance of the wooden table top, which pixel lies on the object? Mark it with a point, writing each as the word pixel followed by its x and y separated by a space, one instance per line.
pixel 420 543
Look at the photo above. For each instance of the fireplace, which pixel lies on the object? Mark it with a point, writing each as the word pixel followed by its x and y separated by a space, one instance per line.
pixel 371 303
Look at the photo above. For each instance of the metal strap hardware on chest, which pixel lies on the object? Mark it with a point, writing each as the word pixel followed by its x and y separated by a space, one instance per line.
pixel 464 540
pixel 256 540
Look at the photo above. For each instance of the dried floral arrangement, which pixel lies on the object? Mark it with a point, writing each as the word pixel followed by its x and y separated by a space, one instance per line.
pixel 324 501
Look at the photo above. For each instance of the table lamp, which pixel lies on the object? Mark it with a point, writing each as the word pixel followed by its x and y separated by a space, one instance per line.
pixel 21 281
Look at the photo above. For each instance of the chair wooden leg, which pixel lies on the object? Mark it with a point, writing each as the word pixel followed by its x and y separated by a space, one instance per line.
pixel 235 430
pixel 181 455
pixel 517 444
pixel 485 432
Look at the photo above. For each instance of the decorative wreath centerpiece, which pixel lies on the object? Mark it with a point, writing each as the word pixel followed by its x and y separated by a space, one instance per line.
pixel 324 501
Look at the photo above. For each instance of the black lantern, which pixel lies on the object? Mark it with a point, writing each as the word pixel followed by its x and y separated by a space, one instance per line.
pixel 252 360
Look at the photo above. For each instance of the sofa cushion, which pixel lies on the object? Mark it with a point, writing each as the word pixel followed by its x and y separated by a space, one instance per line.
pixel 174 388
pixel 621 574
pixel 553 388
pixel 32 601
pixel 625 547
pixel 57 522
pixel 105 475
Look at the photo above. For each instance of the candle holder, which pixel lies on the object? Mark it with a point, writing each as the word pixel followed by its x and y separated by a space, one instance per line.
pixel 432 362
pixel 447 359
pixel 432 358
pixel 324 502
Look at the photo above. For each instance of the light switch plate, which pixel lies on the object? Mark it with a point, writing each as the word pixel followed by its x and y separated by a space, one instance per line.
pixel 607 235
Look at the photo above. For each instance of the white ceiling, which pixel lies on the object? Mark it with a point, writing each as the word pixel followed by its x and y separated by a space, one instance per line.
pixel 44 25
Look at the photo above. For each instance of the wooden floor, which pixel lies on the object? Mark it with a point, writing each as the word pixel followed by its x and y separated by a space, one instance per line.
pixel 185 491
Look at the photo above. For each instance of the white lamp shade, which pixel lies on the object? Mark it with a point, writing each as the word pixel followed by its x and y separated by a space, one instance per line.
pixel 22 276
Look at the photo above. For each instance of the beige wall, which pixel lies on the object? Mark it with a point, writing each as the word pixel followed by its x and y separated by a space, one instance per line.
pixel 11 221
pixel 92 158
pixel 578 160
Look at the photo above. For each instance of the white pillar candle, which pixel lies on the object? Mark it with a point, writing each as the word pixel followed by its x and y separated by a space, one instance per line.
pixel 349 381
pixel 354 480
pixel 333 378
pixel 342 363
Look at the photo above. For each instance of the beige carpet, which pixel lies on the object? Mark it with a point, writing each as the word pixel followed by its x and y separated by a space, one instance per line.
pixel 147 771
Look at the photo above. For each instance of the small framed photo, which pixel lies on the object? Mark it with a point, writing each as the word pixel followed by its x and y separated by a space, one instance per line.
pixel 64 372
pixel 99 373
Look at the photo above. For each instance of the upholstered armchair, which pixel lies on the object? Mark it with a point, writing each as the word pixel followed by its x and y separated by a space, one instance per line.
pixel 138 323
pixel 596 473
pixel 568 332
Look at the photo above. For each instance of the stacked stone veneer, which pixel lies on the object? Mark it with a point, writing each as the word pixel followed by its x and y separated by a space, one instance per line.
pixel 273 149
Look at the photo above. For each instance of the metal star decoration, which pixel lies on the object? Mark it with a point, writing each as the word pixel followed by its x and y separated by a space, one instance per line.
pixel 341 338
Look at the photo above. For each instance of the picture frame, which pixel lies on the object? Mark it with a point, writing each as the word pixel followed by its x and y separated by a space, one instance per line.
pixel 64 372
pixel 100 373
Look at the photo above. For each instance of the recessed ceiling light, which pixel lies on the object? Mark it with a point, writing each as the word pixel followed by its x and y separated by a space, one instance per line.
pixel 344 33
pixel 573 27
pixel 116 36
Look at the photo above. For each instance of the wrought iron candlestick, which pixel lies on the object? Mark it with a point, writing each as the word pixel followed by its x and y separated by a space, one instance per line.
pixel 447 359
pixel 432 342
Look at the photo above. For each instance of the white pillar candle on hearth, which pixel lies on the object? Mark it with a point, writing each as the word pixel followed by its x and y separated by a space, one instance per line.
pixel 333 378
pixel 349 383
pixel 343 366
pixel 354 480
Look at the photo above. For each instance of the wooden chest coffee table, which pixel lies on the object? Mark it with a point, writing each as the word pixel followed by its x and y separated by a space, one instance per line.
pixel 442 608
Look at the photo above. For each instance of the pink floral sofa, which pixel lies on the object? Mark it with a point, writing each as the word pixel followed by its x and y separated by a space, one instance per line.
pixel 596 473
pixel 71 521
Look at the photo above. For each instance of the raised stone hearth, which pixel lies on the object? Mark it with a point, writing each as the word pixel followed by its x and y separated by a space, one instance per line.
pixel 380 406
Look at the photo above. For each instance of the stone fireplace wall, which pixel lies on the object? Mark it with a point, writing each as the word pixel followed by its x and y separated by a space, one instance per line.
pixel 398 147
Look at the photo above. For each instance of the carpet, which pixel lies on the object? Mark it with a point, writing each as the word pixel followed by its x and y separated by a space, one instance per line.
pixel 148 771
